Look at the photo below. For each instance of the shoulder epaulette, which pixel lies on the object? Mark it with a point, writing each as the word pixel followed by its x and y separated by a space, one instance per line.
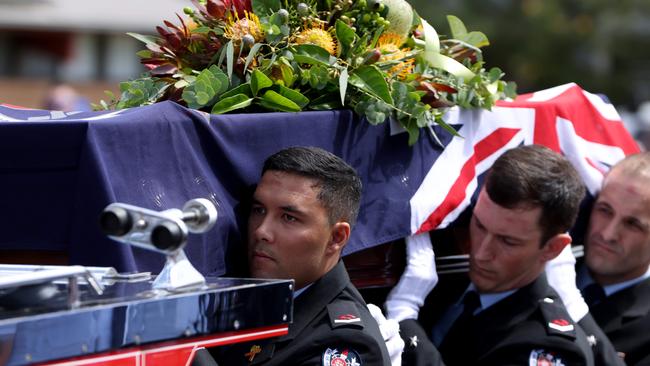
pixel 556 318
pixel 344 314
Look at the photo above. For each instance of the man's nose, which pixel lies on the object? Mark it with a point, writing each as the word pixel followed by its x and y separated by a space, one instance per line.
pixel 263 230
pixel 483 248
pixel 610 230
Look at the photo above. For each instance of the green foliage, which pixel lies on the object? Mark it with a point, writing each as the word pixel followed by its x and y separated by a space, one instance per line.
pixel 207 86
pixel 291 56
pixel 140 92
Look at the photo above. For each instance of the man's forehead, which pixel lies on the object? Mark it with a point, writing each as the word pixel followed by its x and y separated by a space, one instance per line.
pixel 283 186
pixel 517 221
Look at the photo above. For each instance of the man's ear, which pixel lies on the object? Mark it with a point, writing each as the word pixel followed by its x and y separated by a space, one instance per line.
pixel 339 238
pixel 554 246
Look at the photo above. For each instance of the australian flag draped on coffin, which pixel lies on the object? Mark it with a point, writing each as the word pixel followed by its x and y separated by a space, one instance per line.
pixel 61 169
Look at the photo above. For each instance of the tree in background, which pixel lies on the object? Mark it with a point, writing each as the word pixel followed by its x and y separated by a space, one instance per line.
pixel 602 45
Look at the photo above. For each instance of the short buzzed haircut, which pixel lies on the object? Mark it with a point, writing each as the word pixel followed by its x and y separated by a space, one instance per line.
pixel 339 183
pixel 536 176
pixel 636 166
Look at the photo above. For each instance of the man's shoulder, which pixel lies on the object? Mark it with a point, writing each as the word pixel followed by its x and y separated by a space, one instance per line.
pixel 639 293
pixel 548 335
pixel 629 303
pixel 543 330
pixel 345 327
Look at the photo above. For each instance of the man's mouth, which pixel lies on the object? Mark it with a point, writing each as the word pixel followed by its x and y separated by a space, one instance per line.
pixel 476 269
pixel 262 255
pixel 602 246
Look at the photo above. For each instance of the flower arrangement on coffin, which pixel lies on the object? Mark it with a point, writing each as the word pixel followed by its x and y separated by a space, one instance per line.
pixel 375 56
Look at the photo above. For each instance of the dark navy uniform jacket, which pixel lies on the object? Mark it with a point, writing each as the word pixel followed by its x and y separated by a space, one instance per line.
pixel 625 318
pixel 331 326
pixel 529 327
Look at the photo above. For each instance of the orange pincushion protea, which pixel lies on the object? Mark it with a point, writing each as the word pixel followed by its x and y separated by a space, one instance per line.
pixel 317 35
pixel 237 28
pixel 389 46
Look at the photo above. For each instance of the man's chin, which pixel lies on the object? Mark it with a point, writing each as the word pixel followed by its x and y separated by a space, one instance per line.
pixel 481 284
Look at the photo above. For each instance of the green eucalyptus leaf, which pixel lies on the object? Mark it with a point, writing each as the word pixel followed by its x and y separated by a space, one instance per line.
pixel 345 35
pixel 457 27
pixel 510 90
pixel 447 127
pixel 295 96
pixel 288 76
pixel 202 30
pixel 369 79
pixel 259 81
pixel 139 92
pixel 251 54
pixel 414 134
pixel 274 101
pixel 343 84
pixel 219 75
pixel 311 54
pixel 202 98
pixel 181 84
pixel 148 40
pixel 230 58
pixel 495 74
pixel 376 117
pixel 232 103
pixel 144 53
pixel 476 39
pixel 240 89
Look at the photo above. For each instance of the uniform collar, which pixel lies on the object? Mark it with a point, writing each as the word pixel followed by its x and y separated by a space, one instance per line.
pixel 490 299
pixel 315 297
pixel 585 279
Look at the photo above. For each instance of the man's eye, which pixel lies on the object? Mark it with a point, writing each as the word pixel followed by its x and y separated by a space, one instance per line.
pixel 508 241
pixel 258 210
pixel 478 225
pixel 289 218
pixel 604 210
pixel 635 225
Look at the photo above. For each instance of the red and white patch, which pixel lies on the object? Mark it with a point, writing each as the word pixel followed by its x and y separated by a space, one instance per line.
pixel 562 325
pixel 345 357
pixel 540 357
pixel 347 318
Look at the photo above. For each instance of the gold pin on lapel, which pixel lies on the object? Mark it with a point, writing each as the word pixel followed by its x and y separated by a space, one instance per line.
pixel 253 352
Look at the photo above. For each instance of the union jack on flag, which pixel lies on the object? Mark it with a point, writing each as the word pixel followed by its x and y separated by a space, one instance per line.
pixel 580 125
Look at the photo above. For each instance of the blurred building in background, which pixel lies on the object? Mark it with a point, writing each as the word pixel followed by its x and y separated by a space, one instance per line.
pixel 82 44
pixel 602 45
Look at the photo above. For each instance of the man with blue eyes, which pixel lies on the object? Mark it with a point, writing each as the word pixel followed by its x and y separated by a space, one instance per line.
pixel 509 315
pixel 301 217
pixel 616 279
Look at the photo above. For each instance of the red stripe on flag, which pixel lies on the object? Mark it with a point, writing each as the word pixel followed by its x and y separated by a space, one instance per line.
pixel 482 150
pixel 591 162
pixel 16 107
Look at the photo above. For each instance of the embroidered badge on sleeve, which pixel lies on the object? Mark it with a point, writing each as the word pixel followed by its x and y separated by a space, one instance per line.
pixel 562 325
pixel 345 357
pixel 540 357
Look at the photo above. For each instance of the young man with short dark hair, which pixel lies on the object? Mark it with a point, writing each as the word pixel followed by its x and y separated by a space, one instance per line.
pixel 302 214
pixel 509 315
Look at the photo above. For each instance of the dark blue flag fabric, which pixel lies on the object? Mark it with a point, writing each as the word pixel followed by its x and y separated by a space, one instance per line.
pixel 59 170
